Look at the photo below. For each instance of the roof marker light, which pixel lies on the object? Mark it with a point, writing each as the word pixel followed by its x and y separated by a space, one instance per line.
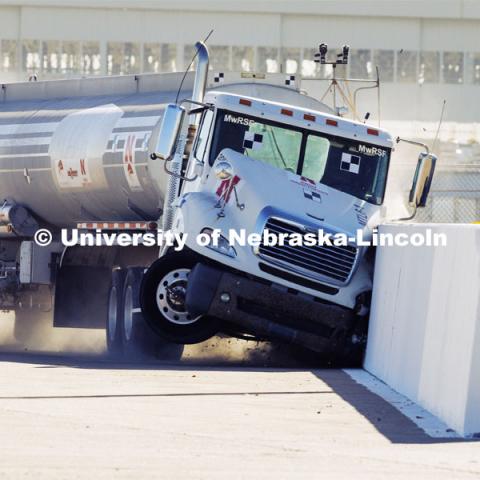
pixel 284 111
pixel 309 117
pixel 244 101
pixel 372 131
pixel 331 122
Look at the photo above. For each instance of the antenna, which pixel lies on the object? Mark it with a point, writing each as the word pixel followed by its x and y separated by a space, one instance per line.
pixel 434 144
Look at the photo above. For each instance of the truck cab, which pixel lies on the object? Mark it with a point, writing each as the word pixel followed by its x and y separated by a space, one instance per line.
pixel 291 170
pixel 253 167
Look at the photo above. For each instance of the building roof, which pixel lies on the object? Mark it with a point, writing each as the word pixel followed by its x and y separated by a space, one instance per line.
pixel 447 9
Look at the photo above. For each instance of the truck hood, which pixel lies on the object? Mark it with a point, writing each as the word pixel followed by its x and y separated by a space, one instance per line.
pixel 264 190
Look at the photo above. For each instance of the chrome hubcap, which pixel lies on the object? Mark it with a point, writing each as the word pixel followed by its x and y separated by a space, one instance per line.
pixel 170 296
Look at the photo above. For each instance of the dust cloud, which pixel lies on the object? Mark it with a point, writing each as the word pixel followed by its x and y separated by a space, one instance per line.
pixel 40 337
pixel 221 351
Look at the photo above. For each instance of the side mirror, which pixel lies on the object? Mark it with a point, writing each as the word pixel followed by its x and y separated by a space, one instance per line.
pixel 169 131
pixel 422 180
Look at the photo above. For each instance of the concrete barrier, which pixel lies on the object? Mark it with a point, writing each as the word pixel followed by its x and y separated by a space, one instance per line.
pixel 424 333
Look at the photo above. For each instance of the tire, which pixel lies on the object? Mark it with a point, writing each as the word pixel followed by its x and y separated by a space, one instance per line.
pixel 137 336
pixel 162 297
pixel 114 320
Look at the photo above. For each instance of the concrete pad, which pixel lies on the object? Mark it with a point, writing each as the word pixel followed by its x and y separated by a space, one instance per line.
pixel 86 417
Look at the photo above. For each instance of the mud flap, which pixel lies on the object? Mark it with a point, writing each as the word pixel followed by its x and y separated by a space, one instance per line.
pixel 81 297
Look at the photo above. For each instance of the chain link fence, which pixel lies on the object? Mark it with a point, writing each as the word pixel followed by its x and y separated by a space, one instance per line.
pixel 455 192
pixel 454 197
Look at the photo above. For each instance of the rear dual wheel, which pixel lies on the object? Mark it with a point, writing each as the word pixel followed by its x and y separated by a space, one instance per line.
pixel 127 332
pixel 115 313
pixel 136 336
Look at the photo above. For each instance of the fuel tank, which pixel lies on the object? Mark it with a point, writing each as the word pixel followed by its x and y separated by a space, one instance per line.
pixel 79 152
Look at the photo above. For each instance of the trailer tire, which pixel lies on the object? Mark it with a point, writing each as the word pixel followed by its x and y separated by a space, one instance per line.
pixel 137 336
pixel 162 297
pixel 115 313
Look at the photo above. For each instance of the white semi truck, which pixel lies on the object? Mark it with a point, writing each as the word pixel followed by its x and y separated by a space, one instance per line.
pixel 252 155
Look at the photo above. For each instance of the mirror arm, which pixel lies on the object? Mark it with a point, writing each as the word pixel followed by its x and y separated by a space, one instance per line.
pixel 405 219
pixel 412 142
pixel 154 156
pixel 176 175
pixel 205 106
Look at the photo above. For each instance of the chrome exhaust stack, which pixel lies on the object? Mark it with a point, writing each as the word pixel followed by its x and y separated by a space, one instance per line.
pixel 201 72
pixel 198 93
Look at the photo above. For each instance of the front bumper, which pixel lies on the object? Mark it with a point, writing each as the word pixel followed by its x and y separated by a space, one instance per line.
pixel 268 310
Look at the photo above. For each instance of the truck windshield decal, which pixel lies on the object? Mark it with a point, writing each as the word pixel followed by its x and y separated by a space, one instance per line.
pixel 371 151
pixel 350 163
pixel 229 118
pixel 358 169
pixel 252 140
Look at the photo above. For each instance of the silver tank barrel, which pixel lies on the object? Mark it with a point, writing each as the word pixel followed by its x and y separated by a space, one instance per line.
pixel 84 157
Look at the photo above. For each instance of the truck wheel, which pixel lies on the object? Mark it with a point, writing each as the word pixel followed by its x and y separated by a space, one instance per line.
pixel 137 336
pixel 162 297
pixel 115 313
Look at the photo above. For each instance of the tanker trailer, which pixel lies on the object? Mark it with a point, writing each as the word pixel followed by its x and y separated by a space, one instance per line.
pixel 73 151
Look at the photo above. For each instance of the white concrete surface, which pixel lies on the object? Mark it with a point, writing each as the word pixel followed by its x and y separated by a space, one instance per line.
pixel 424 336
pixel 86 417
pixel 425 420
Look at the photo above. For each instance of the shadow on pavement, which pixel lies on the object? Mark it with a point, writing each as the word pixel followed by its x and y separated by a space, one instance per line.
pixel 387 420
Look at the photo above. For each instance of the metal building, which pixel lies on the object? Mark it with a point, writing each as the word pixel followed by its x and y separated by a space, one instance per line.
pixel 426 51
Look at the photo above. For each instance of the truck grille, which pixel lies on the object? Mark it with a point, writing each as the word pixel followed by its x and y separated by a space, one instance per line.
pixel 323 262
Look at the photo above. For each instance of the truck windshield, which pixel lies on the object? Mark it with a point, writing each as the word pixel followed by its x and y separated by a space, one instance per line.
pixel 353 167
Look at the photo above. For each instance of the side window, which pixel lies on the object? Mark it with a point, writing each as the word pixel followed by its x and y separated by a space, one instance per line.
pixel 202 139
pixel 315 159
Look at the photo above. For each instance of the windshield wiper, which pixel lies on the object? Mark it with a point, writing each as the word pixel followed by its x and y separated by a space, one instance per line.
pixel 278 148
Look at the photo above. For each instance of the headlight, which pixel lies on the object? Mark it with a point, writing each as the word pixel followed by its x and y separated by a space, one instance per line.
pixel 219 243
